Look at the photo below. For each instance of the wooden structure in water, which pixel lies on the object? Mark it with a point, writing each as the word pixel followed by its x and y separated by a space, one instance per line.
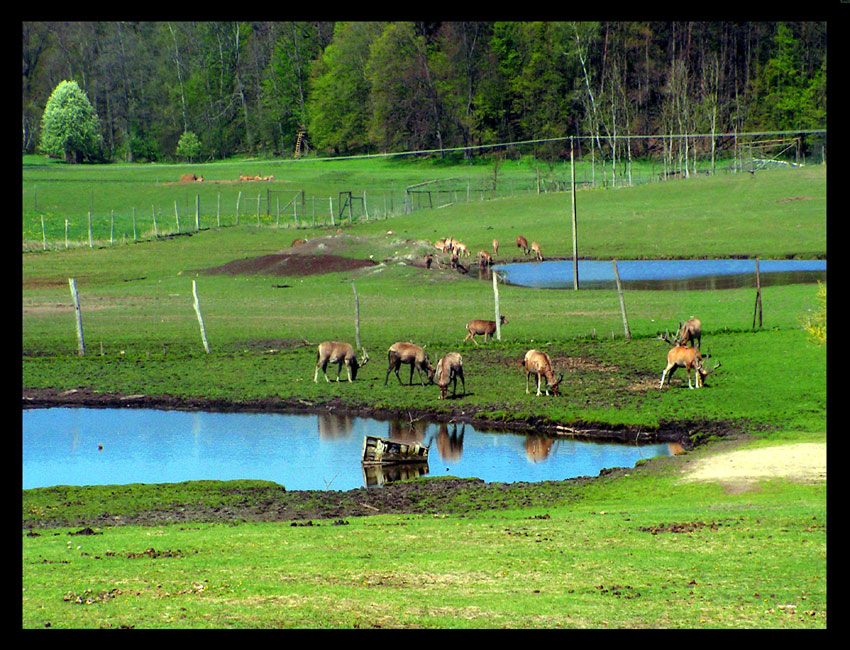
pixel 382 451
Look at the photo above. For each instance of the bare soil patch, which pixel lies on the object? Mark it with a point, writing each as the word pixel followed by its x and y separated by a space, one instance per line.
pixel 741 469
pixel 289 264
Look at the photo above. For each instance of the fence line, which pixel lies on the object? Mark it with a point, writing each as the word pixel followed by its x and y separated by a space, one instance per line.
pixel 675 156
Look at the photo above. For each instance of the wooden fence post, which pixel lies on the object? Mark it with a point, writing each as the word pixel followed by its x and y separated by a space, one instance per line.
pixel 622 302
pixel 80 342
pixel 757 309
pixel 496 301
pixel 575 240
pixel 356 316
pixel 197 306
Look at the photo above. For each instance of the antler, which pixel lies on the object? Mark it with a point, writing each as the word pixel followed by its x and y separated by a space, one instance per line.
pixel 666 337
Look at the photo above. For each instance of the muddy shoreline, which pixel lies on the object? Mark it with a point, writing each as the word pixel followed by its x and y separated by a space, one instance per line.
pixel 682 432
pixel 331 507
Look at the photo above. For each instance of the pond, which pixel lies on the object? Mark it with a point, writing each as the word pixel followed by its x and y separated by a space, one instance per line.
pixel 663 275
pixel 81 446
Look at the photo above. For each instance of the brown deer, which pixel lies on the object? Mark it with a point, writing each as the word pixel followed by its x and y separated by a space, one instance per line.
pixel 495 248
pixel 340 354
pixel 485 327
pixel 535 248
pixel 690 332
pixel 449 368
pixel 522 242
pixel 412 355
pixel 538 364
pixel 484 258
pixel 461 249
pixel 688 358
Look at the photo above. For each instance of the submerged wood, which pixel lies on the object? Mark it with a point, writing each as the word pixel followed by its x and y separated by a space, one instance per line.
pixel 380 451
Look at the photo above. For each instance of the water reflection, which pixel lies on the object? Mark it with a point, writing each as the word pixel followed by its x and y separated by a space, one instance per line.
pixel 65 446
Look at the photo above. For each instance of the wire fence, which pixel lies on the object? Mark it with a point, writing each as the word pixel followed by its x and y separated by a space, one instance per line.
pixel 600 162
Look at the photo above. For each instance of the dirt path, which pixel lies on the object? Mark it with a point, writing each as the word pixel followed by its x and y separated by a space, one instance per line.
pixel 741 469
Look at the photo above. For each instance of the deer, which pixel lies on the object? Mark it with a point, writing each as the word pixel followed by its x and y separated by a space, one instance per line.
pixel 539 364
pixel 495 248
pixel 340 354
pixel 681 356
pixel 412 355
pixel 535 248
pixel 460 249
pixel 485 327
pixel 484 258
pixel 690 331
pixel 522 242
pixel 449 368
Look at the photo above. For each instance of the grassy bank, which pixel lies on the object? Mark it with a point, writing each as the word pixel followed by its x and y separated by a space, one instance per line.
pixel 641 548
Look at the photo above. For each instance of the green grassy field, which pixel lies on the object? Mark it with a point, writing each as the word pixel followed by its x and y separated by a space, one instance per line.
pixel 573 557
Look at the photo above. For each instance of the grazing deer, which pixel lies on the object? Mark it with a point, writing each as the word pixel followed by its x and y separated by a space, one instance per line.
pixel 535 248
pixel 338 353
pixel 495 248
pixel 484 258
pixel 522 242
pixel 681 356
pixel 690 331
pixel 485 327
pixel 449 368
pixel 461 249
pixel 538 364
pixel 411 354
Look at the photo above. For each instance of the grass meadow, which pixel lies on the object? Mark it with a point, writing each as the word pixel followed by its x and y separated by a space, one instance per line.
pixel 641 550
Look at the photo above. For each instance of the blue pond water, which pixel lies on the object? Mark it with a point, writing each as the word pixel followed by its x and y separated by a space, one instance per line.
pixel 300 452
pixel 663 274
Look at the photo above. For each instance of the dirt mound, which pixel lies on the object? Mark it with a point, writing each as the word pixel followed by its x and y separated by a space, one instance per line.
pixel 288 264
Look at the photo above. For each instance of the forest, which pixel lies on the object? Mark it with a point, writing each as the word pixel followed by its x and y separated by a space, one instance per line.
pixel 268 88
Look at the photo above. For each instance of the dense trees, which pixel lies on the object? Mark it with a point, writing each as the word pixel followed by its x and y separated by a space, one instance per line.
pixel 388 86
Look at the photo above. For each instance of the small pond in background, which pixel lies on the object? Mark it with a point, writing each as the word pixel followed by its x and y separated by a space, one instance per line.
pixel 81 446
pixel 663 275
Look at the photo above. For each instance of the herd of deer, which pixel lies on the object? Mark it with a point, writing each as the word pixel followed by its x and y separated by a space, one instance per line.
pixel 458 250
pixel 450 367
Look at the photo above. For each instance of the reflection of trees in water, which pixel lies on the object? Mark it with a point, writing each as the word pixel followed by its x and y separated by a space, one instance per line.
pixel 408 430
pixel 538 448
pixel 449 445
pixel 333 426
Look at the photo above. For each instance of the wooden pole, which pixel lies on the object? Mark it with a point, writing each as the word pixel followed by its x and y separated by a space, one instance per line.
pixel 622 303
pixel 218 210
pixel 197 212
pixel 81 346
pixel 496 301
pixel 356 316
pixel 177 217
pixel 134 224
pixel 575 241
pixel 43 235
pixel 90 242
pixel 66 233
pixel 757 309
pixel 197 306
pixel 155 230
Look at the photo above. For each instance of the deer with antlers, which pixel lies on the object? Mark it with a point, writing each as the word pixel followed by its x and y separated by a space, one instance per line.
pixel 538 364
pixel 688 358
pixel 690 332
pixel 449 368
pixel 340 354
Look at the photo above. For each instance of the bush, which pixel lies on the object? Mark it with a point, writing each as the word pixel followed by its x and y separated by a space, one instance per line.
pixel 188 147
pixel 815 325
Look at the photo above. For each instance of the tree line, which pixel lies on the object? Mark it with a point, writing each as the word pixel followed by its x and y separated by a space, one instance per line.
pixel 339 88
